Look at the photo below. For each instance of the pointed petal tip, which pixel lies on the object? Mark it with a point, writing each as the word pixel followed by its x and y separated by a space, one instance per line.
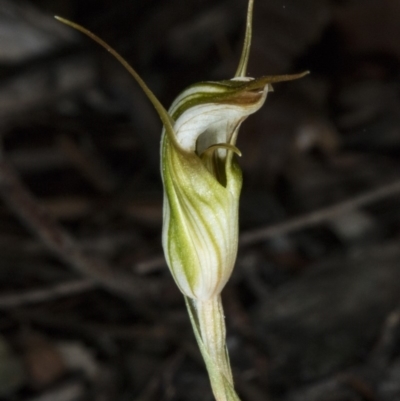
pixel 259 83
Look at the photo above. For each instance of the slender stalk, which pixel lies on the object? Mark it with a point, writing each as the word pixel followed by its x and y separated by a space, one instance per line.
pixel 208 321
pixel 213 332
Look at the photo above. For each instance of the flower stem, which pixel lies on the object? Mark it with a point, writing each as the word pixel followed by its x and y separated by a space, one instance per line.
pixel 208 323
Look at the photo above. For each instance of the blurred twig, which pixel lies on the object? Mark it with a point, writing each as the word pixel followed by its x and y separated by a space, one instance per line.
pixel 46 294
pixel 61 243
pixel 319 216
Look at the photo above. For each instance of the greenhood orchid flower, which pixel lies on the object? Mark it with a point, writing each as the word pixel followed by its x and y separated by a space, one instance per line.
pixel 202 180
pixel 202 184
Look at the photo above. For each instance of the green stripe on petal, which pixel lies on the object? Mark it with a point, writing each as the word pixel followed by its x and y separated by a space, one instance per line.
pixel 198 211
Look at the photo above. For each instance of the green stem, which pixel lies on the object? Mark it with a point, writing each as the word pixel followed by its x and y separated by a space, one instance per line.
pixel 208 323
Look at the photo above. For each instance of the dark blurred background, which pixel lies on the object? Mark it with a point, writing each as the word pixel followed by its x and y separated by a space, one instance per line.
pixel 88 309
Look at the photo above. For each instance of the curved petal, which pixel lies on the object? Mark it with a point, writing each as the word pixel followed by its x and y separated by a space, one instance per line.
pixel 214 109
